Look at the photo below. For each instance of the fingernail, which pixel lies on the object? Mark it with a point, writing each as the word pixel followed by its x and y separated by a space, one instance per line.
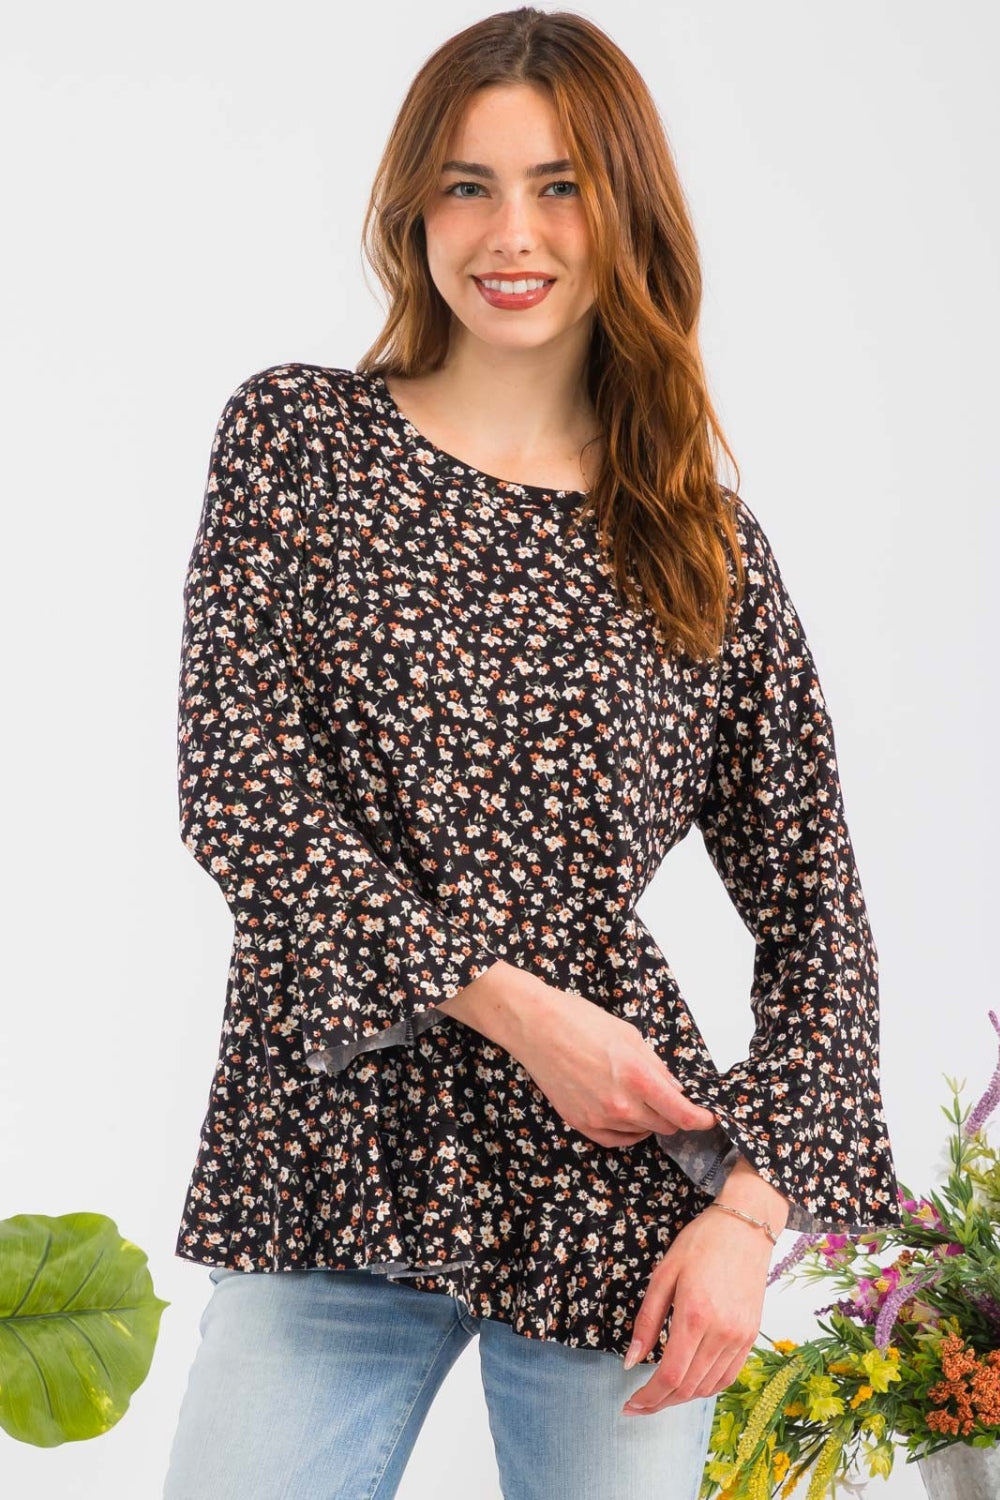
pixel 631 1406
pixel 634 1351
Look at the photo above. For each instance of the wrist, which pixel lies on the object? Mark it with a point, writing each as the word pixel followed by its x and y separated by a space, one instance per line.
pixel 744 1188
pixel 760 1226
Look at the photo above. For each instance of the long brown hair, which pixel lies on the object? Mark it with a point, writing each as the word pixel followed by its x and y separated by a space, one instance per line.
pixel 664 520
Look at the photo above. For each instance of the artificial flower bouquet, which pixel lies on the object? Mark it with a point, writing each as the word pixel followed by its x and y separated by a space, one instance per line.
pixel 909 1356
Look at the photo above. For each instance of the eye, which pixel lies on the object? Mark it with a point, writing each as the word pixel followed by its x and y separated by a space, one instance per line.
pixel 564 182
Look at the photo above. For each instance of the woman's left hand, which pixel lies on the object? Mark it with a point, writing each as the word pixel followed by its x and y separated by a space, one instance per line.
pixel 715 1275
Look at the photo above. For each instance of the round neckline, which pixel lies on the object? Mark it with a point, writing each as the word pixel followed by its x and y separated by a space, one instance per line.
pixel 420 439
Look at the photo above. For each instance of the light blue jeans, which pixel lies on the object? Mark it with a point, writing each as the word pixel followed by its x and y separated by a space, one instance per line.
pixel 313 1384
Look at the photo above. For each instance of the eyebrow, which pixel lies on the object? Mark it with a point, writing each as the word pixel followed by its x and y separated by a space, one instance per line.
pixel 476 169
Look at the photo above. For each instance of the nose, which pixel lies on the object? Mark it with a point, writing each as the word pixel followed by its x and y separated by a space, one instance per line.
pixel 512 228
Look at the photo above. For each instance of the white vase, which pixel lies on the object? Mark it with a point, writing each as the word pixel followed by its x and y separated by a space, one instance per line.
pixel 959 1472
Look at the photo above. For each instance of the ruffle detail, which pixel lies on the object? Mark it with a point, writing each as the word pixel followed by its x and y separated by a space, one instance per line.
pixel 535 1225
pixel 402 1168
pixel 580 1278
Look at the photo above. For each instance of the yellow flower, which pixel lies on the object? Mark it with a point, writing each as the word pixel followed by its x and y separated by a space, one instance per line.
pixel 880 1369
pixel 826 1465
pixel 785 1346
pixel 822 1400
pixel 781 1463
pixel 825 1408
pixel 728 1427
pixel 841 1367
pixel 794 1409
pixel 753 1374
pixel 874 1422
pixel 770 1400
pixel 863 1393
pixel 793 1478
pixel 758 1486
pixel 722 1473
pixel 878 1457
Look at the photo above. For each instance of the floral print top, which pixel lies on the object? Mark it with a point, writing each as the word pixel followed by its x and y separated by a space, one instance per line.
pixel 418 733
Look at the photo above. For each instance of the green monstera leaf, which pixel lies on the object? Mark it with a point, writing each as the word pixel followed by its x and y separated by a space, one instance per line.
pixel 78 1324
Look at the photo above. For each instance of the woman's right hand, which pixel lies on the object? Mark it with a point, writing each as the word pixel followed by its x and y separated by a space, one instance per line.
pixel 600 1074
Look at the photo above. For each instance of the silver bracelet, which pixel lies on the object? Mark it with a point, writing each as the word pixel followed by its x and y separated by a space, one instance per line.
pixel 749 1218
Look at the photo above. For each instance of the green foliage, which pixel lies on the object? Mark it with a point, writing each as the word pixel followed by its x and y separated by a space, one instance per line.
pixel 79 1321
pixel 840 1405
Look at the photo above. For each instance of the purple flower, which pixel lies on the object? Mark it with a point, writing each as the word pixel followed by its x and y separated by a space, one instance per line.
pixel 922 1209
pixel 836 1249
pixel 794 1256
pixel 989 1308
pixel 849 1309
pixel 867 1301
pixel 830 1307
pixel 991 1098
pixel 894 1301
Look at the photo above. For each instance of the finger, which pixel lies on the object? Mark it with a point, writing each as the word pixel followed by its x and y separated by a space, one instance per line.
pixel 714 1377
pixel 691 1321
pixel 667 1096
pixel 732 1370
pixel 706 1359
pixel 621 1137
pixel 660 1103
pixel 652 1314
pixel 718 1377
pixel 664 1108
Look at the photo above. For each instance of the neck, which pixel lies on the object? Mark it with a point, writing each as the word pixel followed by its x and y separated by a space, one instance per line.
pixel 529 407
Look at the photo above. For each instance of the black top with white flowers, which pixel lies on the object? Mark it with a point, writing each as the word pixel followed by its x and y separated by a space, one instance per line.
pixel 418 733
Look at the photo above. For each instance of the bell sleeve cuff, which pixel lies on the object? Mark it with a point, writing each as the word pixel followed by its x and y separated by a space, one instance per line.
pixel 369 954
pixel 805 1107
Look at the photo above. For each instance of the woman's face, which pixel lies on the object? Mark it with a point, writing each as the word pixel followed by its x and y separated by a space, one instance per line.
pixel 488 218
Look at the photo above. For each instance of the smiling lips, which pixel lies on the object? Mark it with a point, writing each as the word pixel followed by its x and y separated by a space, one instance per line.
pixel 510 299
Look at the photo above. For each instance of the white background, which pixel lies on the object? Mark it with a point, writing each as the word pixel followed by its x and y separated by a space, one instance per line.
pixel 184 196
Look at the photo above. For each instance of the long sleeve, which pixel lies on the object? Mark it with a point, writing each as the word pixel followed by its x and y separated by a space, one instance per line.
pixel 363 956
pixel 805 1106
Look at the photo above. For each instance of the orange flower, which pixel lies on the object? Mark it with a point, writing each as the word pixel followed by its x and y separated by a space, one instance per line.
pixel 971 1382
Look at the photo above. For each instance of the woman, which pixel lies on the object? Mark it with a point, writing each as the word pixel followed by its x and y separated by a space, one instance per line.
pixel 473 636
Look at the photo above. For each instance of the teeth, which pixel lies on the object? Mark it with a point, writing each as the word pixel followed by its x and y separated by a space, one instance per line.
pixel 498 285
